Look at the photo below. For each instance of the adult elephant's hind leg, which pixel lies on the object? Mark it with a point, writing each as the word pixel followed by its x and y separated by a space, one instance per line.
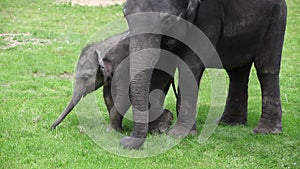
pixel 267 64
pixel 188 83
pixel 235 112
pixel 268 67
pixel 270 121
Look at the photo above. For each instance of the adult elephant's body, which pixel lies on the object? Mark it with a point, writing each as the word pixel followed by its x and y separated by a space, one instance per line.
pixel 242 31
pixel 246 32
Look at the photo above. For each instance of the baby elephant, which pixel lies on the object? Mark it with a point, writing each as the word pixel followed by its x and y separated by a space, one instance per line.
pixel 94 71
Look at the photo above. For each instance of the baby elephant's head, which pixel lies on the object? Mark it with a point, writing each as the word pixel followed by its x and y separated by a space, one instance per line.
pixel 92 72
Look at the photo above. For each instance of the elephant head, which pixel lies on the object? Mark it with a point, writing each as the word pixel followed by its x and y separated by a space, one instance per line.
pixel 92 72
pixel 160 16
pixel 148 20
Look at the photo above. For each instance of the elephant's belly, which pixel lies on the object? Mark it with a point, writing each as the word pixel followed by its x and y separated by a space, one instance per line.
pixel 236 53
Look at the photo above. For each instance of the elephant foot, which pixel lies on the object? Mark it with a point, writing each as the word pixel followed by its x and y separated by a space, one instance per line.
pixel 132 143
pixel 193 132
pixel 179 131
pixel 114 128
pixel 161 124
pixel 266 127
pixel 233 120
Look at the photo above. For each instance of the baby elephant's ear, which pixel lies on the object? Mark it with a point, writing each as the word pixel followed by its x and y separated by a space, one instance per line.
pixel 97 55
pixel 106 67
pixel 192 9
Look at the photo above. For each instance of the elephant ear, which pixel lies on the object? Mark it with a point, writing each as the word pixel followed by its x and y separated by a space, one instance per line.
pixel 192 9
pixel 106 67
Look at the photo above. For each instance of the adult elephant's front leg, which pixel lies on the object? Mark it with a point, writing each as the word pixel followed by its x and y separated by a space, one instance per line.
pixel 143 58
pixel 139 100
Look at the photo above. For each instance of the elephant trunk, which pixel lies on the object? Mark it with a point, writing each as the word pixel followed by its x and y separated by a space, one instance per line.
pixel 74 101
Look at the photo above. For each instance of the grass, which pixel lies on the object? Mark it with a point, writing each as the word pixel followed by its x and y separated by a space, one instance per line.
pixel 35 87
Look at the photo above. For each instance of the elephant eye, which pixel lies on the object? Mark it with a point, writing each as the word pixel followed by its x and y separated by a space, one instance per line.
pixel 168 22
pixel 86 77
pixel 102 68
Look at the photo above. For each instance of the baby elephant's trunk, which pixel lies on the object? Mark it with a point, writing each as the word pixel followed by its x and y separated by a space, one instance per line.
pixel 68 109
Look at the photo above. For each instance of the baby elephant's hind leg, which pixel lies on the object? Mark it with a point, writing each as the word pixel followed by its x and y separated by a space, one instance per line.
pixel 115 118
pixel 160 119
pixel 162 123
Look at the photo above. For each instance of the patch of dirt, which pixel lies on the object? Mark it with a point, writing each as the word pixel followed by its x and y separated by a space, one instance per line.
pixel 36 119
pixel 14 39
pixel 66 75
pixel 4 84
pixel 69 76
pixel 93 2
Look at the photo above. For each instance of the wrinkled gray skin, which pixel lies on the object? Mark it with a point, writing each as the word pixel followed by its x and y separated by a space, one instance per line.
pixel 243 32
pixel 94 71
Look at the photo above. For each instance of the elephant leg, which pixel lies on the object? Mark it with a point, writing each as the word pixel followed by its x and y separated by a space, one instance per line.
pixel 235 112
pixel 193 130
pixel 267 64
pixel 162 123
pixel 145 55
pixel 115 117
pixel 186 106
pixel 198 76
pixel 160 118
pixel 270 121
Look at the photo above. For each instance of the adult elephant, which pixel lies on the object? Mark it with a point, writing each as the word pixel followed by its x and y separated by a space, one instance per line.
pixel 242 31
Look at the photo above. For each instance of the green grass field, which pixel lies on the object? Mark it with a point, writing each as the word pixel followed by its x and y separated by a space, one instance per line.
pixel 40 43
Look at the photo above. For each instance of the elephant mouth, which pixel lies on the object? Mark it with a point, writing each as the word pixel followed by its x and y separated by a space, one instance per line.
pixel 87 91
